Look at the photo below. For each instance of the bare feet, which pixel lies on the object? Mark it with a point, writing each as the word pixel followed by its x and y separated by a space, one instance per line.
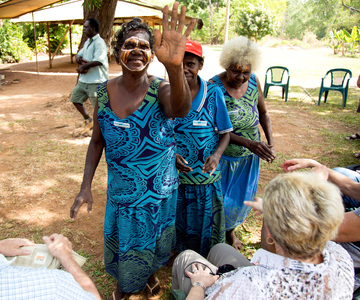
pixel 232 240
pixel 117 295
pixel 153 289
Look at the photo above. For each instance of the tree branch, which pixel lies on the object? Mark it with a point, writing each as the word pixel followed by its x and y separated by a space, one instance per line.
pixel 349 7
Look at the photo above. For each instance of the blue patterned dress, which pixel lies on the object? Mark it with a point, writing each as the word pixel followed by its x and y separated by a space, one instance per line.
pixel 239 166
pixel 200 208
pixel 139 227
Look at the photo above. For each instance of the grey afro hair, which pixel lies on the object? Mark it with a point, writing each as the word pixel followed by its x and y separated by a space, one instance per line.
pixel 240 50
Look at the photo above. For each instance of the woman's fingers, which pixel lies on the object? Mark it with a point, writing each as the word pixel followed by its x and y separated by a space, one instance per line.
pixel 181 19
pixel 174 15
pixel 165 20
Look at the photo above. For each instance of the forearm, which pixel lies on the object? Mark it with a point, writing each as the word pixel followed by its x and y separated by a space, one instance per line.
pixel 266 126
pixel 346 185
pixel 348 229
pixel 92 160
pixel 180 95
pixel 91 64
pixel 80 276
pixel 239 140
pixel 196 293
pixel 224 140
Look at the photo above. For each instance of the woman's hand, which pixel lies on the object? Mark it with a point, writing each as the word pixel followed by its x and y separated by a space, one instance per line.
pixel 180 164
pixel 263 150
pixel 211 164
pixel 84 196
pixel 297 164
pixel 202 276
pixel 257 205
pixel 170 45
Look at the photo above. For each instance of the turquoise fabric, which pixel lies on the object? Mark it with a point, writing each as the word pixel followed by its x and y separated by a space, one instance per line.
pixel 139 229
pixel 200 219
pixel 200 210
pixel 197 135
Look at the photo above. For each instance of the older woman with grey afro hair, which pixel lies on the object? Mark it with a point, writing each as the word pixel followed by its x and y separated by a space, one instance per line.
pixel 302 213
pixel 240 163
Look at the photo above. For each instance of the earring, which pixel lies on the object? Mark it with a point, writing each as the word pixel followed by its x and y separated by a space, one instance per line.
pixel 272 241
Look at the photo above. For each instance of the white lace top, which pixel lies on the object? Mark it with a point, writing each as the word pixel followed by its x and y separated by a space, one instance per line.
pixel 278 277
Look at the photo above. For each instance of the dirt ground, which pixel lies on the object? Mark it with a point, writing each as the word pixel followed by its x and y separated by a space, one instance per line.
pixel 42 161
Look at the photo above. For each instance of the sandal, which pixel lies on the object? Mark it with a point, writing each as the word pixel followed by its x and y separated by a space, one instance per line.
pixel 355 136
pixel 149 291
pixel 114 297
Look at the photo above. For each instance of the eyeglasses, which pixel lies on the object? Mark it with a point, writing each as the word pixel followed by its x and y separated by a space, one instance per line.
pixel 133 43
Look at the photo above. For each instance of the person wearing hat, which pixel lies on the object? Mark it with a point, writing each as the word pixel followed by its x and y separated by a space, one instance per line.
pixel 201 138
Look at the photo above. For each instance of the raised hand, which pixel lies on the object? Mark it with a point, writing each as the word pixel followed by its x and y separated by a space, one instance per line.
pixel 170 45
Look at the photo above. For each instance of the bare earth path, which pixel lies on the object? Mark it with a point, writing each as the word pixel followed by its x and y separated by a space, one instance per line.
pixel 42 162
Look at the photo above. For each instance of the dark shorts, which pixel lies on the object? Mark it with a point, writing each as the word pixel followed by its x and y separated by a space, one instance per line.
pixel 358 109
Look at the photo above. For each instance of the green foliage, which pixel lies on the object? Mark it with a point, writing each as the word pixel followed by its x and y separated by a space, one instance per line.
pixel 319 17
pixel 12 45
pixel 344 41
pixel 254 22
pixel 56 32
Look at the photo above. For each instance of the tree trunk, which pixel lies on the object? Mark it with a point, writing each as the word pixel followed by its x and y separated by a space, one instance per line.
pixel 211 22
pixel 105 15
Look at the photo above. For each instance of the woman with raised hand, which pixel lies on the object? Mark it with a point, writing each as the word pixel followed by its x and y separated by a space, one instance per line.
pixel 302 213
pixel 133 121
pixel 240 163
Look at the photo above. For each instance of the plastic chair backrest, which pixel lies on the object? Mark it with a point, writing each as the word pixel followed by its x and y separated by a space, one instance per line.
pixel 277 73
pixel 338 77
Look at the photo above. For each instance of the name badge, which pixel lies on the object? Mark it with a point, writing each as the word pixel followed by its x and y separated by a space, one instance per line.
pixel 121 124
pixel 40 258
pixel 199 123
pixel 234 112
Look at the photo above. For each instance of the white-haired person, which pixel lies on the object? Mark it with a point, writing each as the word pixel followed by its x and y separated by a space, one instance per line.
pixel 302 213
pixel 240 162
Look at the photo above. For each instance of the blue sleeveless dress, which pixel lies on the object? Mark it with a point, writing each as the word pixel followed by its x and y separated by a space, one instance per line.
pixel 239 166
pixel 139 229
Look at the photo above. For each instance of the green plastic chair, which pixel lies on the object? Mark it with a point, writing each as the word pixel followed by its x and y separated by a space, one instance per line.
pixel 339 81
pixel 277 78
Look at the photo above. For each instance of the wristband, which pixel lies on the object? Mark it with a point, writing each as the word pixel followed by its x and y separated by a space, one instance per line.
pixel 200 285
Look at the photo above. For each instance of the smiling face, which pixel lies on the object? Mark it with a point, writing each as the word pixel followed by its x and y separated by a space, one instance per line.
pixel 192 66
pixel 237 75
pixel 135 53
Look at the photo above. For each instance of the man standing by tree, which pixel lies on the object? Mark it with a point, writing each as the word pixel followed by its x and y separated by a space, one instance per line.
pixel 93 69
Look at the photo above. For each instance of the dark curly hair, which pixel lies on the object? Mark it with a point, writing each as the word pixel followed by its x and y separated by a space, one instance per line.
pixel 134 25
pixel 94 24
